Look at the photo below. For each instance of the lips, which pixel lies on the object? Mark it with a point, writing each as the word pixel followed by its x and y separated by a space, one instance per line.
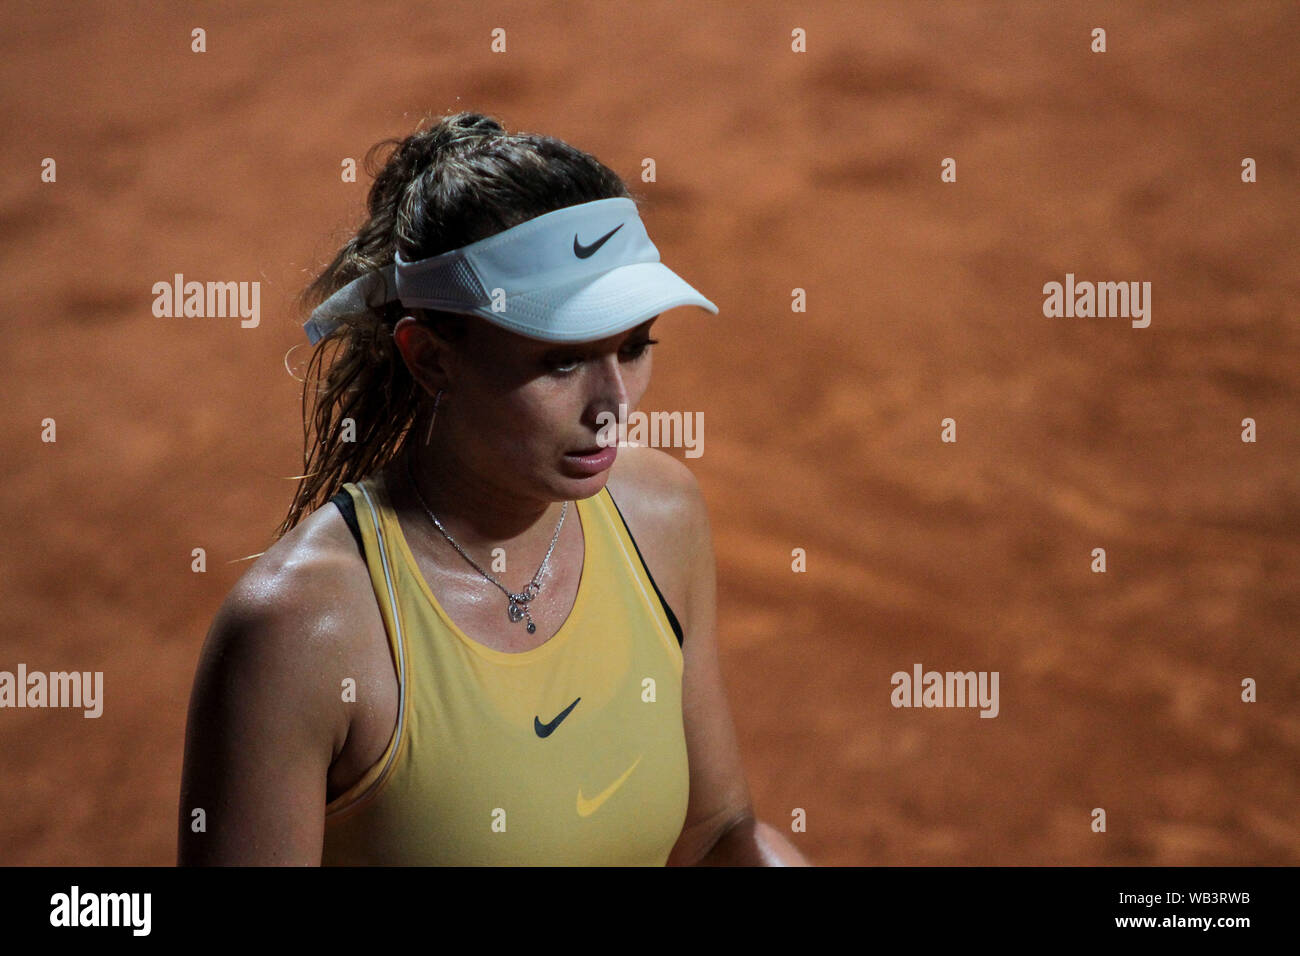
pixel 585 463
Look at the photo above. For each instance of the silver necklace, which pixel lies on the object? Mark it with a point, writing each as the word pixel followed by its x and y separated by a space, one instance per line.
pixel 518 606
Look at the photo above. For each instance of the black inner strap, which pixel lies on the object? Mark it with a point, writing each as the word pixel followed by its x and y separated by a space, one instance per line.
pixel 349 509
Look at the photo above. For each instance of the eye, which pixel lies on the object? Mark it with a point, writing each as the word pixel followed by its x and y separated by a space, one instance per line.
pixel 562 363
pixel 565 363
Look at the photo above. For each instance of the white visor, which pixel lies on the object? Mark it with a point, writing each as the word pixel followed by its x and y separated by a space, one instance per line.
pixel 579 273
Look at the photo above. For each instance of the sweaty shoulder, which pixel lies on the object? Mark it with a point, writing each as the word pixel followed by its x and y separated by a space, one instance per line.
pixel 314 573
pixel 306 599
pixel 658 488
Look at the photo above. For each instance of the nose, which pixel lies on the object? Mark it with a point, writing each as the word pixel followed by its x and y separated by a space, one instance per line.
pixel 608 387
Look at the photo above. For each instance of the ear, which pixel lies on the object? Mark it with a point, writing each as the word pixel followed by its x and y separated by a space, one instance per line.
pixel 427 355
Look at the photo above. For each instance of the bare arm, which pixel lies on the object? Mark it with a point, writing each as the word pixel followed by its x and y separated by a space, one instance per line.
pixel 264 725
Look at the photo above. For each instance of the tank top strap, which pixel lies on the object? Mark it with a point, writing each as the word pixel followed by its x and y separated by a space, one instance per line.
pixel 371 508
pixel 618 537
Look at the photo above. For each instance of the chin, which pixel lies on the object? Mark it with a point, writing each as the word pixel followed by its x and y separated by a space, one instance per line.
pixel 582 486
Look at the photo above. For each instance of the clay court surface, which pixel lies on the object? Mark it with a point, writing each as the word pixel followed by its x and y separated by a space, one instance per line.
pixel 775 171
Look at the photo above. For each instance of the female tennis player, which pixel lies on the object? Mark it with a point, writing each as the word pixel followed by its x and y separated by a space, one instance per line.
pixel 485 634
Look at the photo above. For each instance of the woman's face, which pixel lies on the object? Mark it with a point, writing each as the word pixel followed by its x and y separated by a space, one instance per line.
pixel 524 417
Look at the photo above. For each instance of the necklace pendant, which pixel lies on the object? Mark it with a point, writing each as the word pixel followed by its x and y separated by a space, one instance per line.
pixel 516 612
pixel 532 628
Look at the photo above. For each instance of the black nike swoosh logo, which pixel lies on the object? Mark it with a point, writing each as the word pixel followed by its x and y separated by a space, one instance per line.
pixel 545 730
pixel 582 252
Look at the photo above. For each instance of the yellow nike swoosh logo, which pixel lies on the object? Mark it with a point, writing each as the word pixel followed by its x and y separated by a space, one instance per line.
pixel 587 807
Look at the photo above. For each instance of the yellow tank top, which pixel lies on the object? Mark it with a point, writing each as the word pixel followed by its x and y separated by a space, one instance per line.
pixel 572 753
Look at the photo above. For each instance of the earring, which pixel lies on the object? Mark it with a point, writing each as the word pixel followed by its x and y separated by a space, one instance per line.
pixel 432 418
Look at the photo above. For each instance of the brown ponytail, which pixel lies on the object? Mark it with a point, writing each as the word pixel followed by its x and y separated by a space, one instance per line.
pixel 462 179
